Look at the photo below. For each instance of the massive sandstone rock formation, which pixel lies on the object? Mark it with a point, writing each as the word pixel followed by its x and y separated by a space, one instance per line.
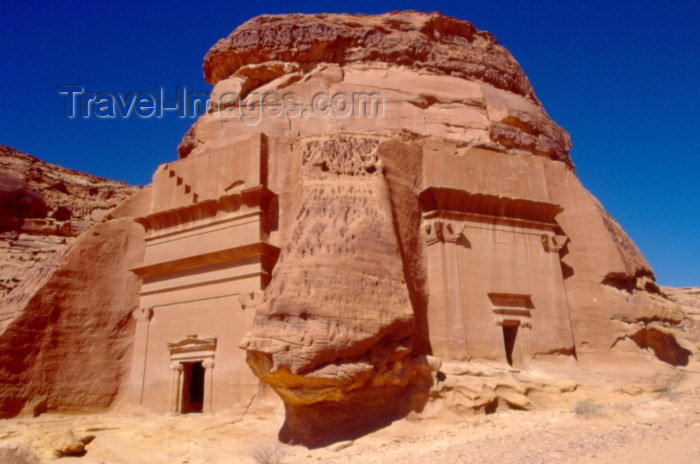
pixel 365 263
pixel 453 226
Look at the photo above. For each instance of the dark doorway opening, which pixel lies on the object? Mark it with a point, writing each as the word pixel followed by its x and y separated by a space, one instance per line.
pixel 510 332
pixel 192 387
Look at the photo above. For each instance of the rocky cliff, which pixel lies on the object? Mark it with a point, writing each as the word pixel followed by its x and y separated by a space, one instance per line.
pixel 687 297
pixel 450 224
pixel 65 320
pixel 43 208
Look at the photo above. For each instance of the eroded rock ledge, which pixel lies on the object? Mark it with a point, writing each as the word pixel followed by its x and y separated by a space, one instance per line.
pixel 439 43
pixel 437 76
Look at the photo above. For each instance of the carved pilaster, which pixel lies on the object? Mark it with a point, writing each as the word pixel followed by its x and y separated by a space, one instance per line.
pixel 142 316
pixel 176 382
pixel 208 365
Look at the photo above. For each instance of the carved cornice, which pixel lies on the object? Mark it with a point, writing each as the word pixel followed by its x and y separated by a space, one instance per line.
pixel 446 199
pixel 190 344
pixel 258 196
pixel 207 259
pixel 512 308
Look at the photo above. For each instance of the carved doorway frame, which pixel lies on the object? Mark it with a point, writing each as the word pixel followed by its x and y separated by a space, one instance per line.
pixel 191 349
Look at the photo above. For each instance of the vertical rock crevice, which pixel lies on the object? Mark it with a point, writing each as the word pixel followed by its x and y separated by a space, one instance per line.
pixel 336 330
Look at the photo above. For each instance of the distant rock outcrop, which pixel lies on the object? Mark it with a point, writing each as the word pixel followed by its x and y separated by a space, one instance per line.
pixel 687 297
pixel 43 207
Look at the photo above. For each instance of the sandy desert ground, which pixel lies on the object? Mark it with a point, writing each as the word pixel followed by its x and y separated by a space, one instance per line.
pixel 652 428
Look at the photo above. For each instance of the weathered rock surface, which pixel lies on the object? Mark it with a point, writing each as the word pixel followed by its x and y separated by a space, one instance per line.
pixel 65 329
pixel 43 208
pixel 345 224
pixel 451 225
pixel 441 76
pixel 442 44
pixel 687 297
pixel 339 325
pixel 66 332
pixel 67 444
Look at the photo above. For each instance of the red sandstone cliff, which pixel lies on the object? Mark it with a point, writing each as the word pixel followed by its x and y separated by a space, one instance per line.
pixel 65 326
pixel 43 207
pixel 501 232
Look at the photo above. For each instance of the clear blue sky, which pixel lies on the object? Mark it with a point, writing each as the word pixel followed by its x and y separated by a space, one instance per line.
pixel 622 77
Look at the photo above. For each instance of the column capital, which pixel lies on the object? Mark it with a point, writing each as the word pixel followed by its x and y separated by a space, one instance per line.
pixel 446 232
pixel 208 363
pixel 554 243
pixel 251 299
pixel 142 314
